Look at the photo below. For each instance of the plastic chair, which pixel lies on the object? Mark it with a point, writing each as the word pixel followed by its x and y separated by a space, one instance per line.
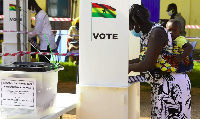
pixel 193 43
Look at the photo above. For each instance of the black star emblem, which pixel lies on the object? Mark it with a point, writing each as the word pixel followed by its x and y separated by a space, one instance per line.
pixel 104 10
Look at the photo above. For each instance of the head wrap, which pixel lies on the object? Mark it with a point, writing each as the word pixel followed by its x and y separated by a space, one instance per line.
pixel 75 21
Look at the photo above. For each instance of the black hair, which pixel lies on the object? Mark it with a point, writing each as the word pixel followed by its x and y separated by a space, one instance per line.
pixel 32 3
pixel 175 22
pixel 173 6
pixel 139 13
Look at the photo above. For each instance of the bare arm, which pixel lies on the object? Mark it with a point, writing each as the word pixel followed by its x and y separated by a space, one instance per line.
pixel 157 40
pixel 187 50
pixel 137 60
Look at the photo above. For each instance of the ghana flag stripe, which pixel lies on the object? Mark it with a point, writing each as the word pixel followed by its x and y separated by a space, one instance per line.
pixel 96 5
pixel 98 13
pixel 97 10
pixel 101 10
pixel 12 7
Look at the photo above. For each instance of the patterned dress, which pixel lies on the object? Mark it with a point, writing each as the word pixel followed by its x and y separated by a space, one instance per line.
pixel 170 93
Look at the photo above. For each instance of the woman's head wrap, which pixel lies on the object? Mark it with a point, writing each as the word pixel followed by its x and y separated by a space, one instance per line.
pixel 75 21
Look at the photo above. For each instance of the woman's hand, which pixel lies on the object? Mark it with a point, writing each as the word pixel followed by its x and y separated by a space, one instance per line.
pixel 130 68
pixel 178 59
pixel 137 60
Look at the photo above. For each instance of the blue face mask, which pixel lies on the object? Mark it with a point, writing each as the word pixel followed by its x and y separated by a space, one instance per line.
pixel 136 34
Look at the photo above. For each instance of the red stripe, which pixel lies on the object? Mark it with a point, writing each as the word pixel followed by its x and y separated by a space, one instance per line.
pixel 28 53
pixel 1 16
pixel 54 19
pixel 196 26
pixel 106 6
pixel 109 7
pixel 59 19
pixel 64 19
pixel 192 26
pixel 13 5
pixel 96 5
pixel 36 52
pixel 14 54
pixel 56 54
pixel 64 54
pixel 69 19
pixel 6 54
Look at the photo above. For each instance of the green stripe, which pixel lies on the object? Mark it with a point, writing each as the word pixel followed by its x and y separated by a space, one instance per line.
pixel 101 14
pixel 98 13
pixel 12 8
pixel 108 10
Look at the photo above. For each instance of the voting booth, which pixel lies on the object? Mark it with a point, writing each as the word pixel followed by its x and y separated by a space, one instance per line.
pixel 9 44
pixel 103 89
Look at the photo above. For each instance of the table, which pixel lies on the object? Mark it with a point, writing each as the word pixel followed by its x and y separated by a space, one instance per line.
pixel 64 103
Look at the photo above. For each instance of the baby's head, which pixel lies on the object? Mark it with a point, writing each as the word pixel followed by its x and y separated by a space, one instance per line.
pixel 174 27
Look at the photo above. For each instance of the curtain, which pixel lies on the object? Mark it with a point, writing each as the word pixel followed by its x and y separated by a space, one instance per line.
pixel 154 8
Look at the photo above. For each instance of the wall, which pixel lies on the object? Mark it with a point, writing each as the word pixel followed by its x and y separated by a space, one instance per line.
pixel 77 11
pixel 42 4
pixel 189 10
pixel 180 5
pixel 154 7
pixel 195 20
pixel 195 17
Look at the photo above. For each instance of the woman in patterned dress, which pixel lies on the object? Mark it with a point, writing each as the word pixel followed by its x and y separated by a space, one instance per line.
pixel 170 92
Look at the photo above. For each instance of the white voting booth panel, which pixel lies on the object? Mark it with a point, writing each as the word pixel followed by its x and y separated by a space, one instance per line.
pixel 108 102
pixel 9 44
pixel 104 53
pixel 102 103
pixel 104 60
pixel 27 95
pixel 9 48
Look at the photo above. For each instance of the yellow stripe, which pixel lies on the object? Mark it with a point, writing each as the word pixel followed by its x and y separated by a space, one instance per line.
pixel 12 7
pixel 101 10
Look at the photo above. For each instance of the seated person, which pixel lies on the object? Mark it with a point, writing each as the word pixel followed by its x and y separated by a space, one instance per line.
pixel 73 38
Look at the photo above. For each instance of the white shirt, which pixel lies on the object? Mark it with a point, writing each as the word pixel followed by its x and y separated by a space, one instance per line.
pixel 42 25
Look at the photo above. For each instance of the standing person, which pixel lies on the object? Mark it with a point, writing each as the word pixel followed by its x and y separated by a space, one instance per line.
pixel 34 39
pixel 42 25
pixel 170 92
pixel 172 11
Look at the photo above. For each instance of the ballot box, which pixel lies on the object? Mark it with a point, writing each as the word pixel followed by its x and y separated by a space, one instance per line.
pixel 28 90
